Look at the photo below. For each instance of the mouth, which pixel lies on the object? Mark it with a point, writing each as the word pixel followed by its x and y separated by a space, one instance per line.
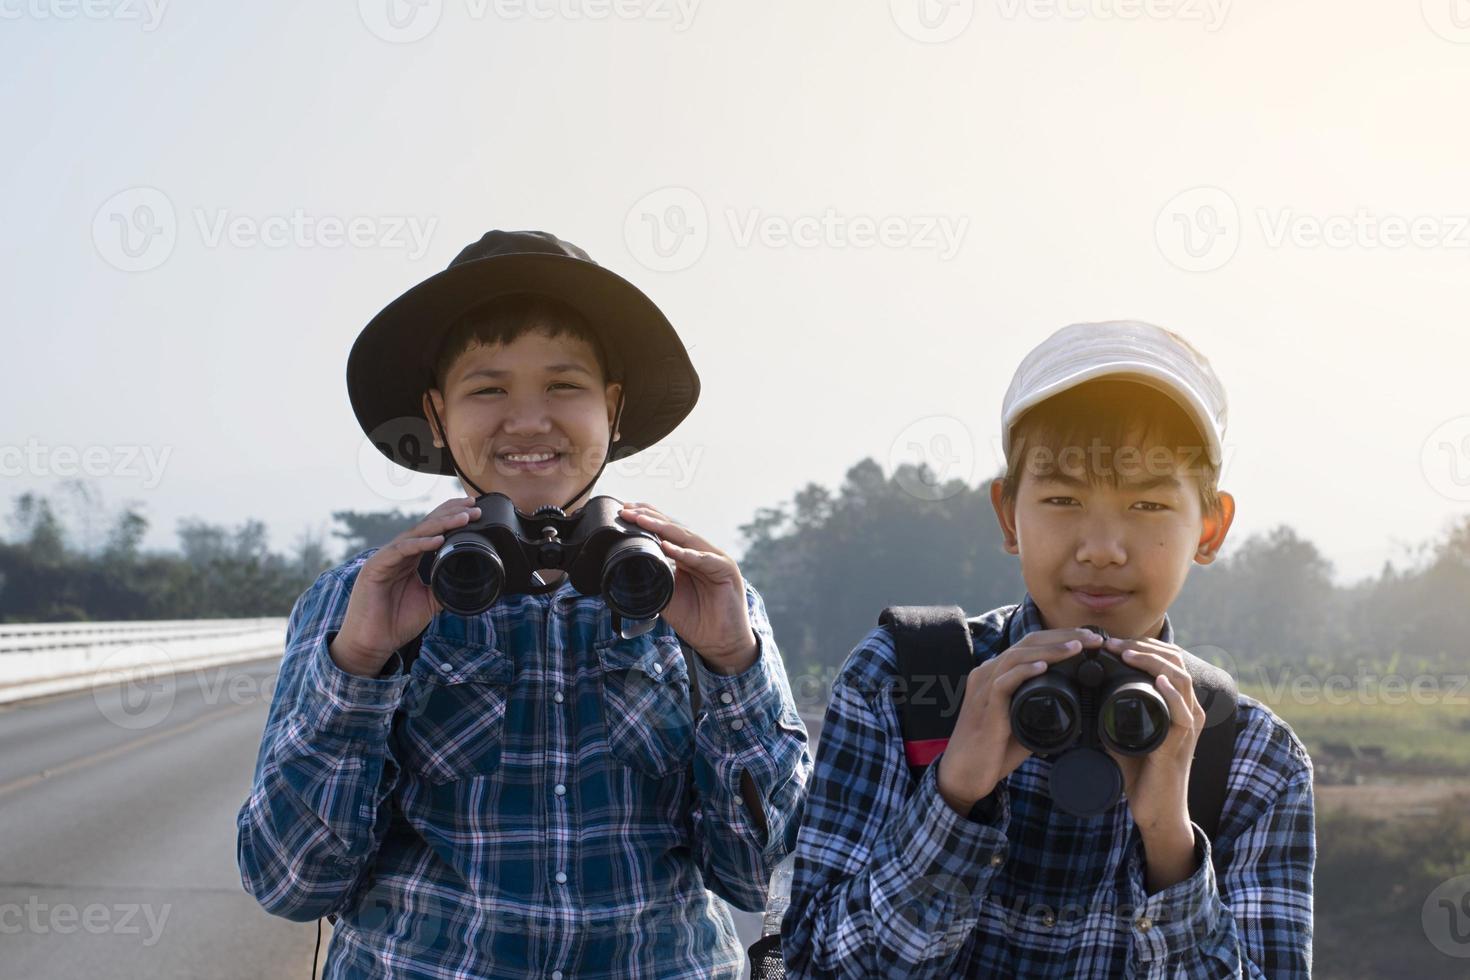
pixel 529 460
pixel 1101 599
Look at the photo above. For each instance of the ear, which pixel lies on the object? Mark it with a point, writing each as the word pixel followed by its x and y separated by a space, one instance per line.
pixel 1216 526
pixel 438 402
pixel 1005 513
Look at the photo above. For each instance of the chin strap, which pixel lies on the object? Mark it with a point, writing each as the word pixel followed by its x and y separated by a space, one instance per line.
pixel 612 438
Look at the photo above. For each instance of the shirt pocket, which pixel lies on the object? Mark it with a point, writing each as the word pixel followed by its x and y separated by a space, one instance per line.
pixel 454 710
pixel 645 700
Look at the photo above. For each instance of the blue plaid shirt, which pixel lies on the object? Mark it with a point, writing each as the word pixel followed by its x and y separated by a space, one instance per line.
pixel 533 798
pixel 891 882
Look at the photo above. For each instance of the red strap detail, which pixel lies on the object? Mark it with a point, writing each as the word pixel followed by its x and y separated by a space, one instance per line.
pixel 921 752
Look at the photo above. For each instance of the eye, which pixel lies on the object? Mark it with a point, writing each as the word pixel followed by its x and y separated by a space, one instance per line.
pixel 566 384
pixel 1150 503
pixel 486 391
pixel 1050 499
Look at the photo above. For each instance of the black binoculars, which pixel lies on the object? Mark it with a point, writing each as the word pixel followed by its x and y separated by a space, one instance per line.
pixel 602 554
pixel 1080 706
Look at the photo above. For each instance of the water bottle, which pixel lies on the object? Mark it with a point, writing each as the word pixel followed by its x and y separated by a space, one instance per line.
pixel 779 898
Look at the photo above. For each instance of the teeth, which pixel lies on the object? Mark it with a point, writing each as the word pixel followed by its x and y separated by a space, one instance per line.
pixel 529 457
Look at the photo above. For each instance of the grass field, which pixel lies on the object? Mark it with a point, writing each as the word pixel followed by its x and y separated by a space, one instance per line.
pixel 1396 732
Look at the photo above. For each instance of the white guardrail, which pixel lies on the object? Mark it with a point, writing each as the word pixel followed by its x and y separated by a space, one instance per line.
pixel 39 659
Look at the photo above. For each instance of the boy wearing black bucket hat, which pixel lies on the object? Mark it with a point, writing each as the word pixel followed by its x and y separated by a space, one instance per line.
pixel 532 790
pixel 960 853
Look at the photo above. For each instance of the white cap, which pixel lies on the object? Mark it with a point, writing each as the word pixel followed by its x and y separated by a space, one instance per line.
pixel 1125 349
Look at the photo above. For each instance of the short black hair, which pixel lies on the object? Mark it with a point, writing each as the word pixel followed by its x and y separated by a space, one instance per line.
pixel 508 318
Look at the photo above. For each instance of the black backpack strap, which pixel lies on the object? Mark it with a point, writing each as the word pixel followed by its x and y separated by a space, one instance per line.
pixel 935 656
pixel 1215 689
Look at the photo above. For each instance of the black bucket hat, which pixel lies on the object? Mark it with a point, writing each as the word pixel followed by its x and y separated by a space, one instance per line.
pixel 391 362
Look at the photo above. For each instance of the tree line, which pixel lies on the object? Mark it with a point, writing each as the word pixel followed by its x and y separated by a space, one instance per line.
pixel 826 562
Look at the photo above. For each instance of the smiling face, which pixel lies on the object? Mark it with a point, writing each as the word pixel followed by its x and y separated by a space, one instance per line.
pixel 1107 531
pixel 528 417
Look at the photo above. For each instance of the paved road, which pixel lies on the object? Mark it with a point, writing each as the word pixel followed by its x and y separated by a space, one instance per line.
pixel 117 835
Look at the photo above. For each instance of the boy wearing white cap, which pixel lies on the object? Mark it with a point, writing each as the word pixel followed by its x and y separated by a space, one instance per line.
pixel 968 866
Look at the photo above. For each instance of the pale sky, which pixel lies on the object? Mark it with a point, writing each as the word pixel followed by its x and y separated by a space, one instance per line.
pixel 860 216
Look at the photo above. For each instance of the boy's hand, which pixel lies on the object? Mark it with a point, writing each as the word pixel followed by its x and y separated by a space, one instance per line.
pixel 708 608
pixel 982 750
pixel 389 605
pixel 1157 784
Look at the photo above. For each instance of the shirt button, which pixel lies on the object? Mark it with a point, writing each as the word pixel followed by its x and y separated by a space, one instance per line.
pixel 445 667
pixel 1144 923
pixel 726 697
pixel 561 877
pixel 557 697
pixel 736 725
pixel 658 668
pixel 1048 920
pixel 997 859
pixel 559 790
pixel 555 975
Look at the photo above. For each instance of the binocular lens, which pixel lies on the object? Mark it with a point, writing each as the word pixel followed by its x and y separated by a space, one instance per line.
pixel 636 580
pixel 467 576
pixel 1135 721
pixel 1047 719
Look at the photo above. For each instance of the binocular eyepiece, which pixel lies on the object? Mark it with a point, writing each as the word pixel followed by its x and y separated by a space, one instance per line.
pixel 1080 706
pixel 602 554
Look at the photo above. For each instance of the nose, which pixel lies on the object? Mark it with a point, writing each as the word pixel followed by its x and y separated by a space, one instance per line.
pixel 526 415
pixel 1101 542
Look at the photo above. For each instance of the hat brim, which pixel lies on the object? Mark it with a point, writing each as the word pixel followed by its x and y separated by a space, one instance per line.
pixel 389 367
pixel 1141 372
